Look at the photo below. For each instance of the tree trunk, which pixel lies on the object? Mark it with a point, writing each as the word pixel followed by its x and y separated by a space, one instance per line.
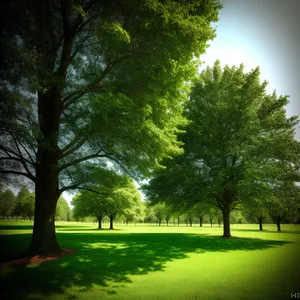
pixel 226 221
pixel 201 220
pixel 211 222
pixel 167 222
pixel 260 222
pixel 159 222
pixel 111 222
pixel 278 220
pixel 219 221
pixel 99 218
pixel 191 222
pixel 178 221
pixel 46 185
pixel 43 239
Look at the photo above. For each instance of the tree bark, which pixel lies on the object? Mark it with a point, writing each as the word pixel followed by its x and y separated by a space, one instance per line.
pixel 167 222
pixel 226 221
pixel 178 221
pixel 211 222
pixel 46 186
pixel 99 218
pixel 159 222
pixel 191 223
pixel 260 222
pixel 278 220
pixel 201 220
pixel 111 222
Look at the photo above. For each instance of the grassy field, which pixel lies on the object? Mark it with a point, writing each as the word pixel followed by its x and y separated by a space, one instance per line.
pixel 151 262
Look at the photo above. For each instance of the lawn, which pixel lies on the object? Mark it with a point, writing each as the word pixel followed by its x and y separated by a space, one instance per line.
pixel 151 262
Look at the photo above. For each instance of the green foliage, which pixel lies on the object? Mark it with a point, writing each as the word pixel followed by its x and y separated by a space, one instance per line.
pixel 28 206
pixel 21 199
pixel 7 202
pixel 121 85
pixel 117 197
pixel 239 144
pixel 63 210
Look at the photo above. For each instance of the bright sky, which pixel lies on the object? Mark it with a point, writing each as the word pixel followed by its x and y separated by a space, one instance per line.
pixel 262 33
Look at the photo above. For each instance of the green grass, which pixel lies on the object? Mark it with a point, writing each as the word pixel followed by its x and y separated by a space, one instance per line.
pixel 151 262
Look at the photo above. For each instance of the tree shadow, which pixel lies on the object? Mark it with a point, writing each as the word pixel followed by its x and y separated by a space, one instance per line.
pixel 107 260
pixel 16 227
pixel 87 229
pixel 269 231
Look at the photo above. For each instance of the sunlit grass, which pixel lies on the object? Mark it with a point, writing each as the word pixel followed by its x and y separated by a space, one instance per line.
pixel 152 262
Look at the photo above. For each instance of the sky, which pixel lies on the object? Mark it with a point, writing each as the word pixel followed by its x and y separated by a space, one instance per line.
pixel 260 33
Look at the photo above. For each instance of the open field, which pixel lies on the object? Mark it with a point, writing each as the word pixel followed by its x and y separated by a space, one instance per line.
pixel 151 262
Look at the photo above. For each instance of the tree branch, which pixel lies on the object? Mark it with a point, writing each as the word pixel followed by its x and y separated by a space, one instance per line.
pixel 79 160
pixel 67 150
pixel 13 172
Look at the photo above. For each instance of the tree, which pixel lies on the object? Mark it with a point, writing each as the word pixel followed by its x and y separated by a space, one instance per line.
pixel 238 144
pixel 116 195
pixel 212 214
pixel 91 81
pixel 149 214
pixel 135 213
pixel 89 204
pixel 20 200
pixel 121 199
pixel 201 209
pixel 7 203
pixel 62 209
pixel 159 210
pixel 256 209
pixel 283 203
pixel 28 206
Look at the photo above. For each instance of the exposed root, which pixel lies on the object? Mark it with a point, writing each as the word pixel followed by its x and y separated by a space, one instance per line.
pixel 20 260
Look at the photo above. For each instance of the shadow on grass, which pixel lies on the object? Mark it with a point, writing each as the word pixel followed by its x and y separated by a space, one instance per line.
pixel 269 231
pixel 107 260
pixel 64 228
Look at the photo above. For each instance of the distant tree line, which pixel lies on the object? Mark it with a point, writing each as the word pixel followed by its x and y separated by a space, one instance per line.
pixel 22 205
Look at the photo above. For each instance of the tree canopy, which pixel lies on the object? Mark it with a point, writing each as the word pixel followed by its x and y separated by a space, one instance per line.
pixel 84 82
pixel 239 144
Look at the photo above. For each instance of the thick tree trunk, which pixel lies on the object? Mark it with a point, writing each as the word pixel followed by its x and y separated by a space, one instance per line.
pixel 46 186
pixel 43 239
pixel 226 221
pixel 201 220
pixel 111 222
pixel 191 223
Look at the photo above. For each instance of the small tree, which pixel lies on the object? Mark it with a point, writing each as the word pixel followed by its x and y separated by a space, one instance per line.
pixel 160 212
pixel 7 203
pixel 28 206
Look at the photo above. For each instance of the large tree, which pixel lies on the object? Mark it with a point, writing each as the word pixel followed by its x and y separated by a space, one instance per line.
pixel 239 144
pixel 87 81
